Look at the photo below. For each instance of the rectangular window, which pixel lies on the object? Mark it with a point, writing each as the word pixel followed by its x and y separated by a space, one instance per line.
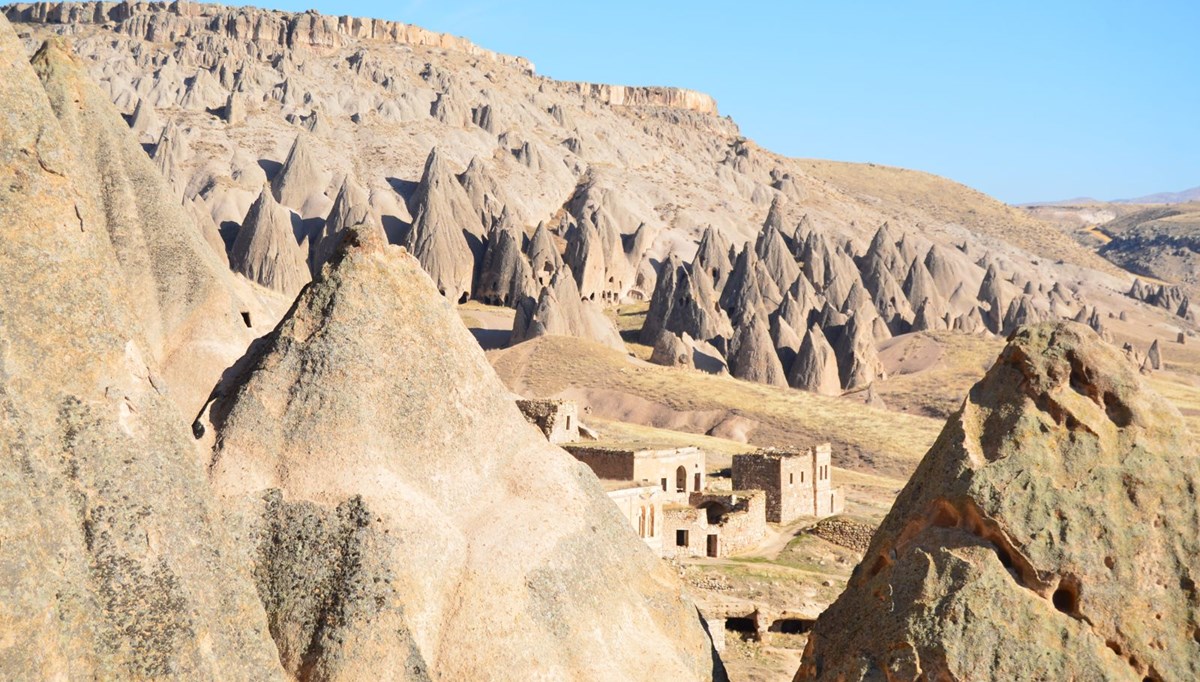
pixel 697 482
pixel 681 538
pixel 792 479
pixel 664 483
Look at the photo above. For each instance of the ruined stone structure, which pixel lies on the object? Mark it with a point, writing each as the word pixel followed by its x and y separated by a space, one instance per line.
pixel 642 504
pixel 796 483
pixel 678 472
pixel 558 419
pixel 715 524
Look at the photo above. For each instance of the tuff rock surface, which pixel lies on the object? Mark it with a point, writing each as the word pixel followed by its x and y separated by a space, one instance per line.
pixel 1043 536
pixel 444 555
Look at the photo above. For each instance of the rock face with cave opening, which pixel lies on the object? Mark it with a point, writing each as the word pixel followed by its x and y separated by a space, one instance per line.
pixel 1044 535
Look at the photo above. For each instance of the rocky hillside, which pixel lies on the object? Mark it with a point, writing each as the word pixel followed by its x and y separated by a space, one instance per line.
pixel 1162 242
pixel 1042 536
pixel 338 505
pixel 560 199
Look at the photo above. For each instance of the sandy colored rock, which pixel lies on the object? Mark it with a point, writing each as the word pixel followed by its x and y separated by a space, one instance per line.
pixel 113 560
pixel 265 250
pixel 423 562
pixel 1040 537
pixel 752 355
pixel 815 367
pixel 190 307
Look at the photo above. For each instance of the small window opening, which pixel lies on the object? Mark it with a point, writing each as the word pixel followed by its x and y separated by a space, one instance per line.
pixel 681 538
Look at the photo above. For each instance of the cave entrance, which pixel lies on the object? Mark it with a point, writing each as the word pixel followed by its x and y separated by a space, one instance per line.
pixel 792 626
pixel 746 628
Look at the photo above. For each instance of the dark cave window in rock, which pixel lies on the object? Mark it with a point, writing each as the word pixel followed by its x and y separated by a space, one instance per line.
pixel 746 627
pixel 792 626
pixel 246 318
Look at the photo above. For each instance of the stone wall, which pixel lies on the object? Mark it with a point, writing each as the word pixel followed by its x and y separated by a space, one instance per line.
pixel 558 419
pixel 844 532
pixel 693 523
pixel 607 463
pixel 642 506
pixel 743 523
pixel 761 471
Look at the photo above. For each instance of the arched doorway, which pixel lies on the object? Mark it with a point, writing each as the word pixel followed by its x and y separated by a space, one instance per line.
pixel 681 479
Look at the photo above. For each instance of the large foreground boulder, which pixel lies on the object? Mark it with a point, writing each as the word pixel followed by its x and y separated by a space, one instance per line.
pixel 1050 533
pixel 403 517
pixel 113 561
pixel 194 314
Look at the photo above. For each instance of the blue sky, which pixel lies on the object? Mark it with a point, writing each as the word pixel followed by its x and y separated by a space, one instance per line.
pixel 1023 100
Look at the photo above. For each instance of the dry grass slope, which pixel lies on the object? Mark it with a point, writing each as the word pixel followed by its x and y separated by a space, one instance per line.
pixel 877 441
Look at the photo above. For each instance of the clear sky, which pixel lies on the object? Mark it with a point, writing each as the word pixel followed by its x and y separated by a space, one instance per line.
pixel 1024 100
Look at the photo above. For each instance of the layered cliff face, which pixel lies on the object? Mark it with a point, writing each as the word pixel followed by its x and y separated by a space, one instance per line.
pixel 460 544
pixel 1048 534
pixel 113 560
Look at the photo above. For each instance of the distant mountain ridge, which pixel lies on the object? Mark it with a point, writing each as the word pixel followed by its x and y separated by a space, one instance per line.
pixel 1183 197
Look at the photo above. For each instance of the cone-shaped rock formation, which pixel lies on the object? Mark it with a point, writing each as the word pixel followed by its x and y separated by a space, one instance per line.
pixel 423 561
pixel 1040 538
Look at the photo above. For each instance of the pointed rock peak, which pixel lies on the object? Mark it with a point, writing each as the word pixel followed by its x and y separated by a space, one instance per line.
pixel 265 250
pixel 884 242
pixel 774 220
pixel 351 207
pixel 435 407
pixel 984 559
pixel 815 368
pixel 300 177
pixel 753 356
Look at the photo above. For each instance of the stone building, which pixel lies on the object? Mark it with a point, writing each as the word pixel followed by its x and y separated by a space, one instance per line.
pixel 714 524
pixel 642 504
pixel 679 472
pixel 796 483
pixel 558 419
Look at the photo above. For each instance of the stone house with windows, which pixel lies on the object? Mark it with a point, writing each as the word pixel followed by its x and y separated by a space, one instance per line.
pixel 796 482
pixel 714 524
pixel 642 504
pixel 679 472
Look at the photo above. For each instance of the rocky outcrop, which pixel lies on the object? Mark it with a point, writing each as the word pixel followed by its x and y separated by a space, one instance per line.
pixel 113 561
pixel 189 306
pixel 1040 538
pixel 629 96
pixel 300 179
pixel 559 310
pixel 306 30
pixel 752 355
pixel 265 250
pixel 815 367
pixel 351 207
pixel 673 351
pixel 421 562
